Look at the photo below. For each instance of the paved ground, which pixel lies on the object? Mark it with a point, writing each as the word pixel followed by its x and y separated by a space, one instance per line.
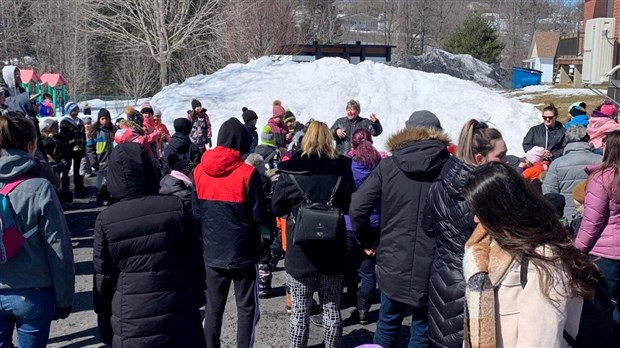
pixel 80 328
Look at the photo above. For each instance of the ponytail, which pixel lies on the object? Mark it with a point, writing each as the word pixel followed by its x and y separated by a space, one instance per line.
pixel 16 133
pixel 476 138
pixel 363 150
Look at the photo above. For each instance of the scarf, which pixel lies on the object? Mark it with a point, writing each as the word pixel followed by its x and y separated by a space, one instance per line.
pixel 484 265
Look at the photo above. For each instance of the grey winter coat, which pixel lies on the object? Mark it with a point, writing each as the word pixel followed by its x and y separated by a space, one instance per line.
pixel 46 258
pixel 344 145
pixel 567 171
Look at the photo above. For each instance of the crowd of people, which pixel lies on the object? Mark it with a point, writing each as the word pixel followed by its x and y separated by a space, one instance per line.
pixel 481 248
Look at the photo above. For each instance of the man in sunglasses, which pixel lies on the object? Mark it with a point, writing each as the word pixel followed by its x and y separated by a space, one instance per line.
pixel 549 134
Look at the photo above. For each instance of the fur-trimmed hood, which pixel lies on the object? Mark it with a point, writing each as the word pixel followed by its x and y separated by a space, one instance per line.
pixel 408 135
pixel 419 151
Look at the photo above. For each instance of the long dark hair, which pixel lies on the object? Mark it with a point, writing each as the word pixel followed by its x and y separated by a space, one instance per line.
pixel 93 129
pixel 611 161
pixel 520 220
pixel 363 150
pixel 16 133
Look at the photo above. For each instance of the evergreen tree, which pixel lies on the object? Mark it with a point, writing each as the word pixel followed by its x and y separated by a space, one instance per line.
pixel 476 36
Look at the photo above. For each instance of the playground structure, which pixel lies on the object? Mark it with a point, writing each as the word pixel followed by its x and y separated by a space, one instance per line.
pixel 53 84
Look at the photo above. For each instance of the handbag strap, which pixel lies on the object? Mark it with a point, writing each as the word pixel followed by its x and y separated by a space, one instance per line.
pixel 308 200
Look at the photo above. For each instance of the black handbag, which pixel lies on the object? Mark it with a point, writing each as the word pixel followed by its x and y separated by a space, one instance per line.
pixel 316 222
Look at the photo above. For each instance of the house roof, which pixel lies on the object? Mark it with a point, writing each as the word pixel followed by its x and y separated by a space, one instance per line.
pixel 53 79
pixel 29 75
pixel 544 44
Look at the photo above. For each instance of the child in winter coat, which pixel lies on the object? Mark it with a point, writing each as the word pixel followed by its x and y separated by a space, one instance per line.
pixel 74 137
pixel 602 122
pixel 161 129
pixel 535 163
pixel 180 145
pixel 201 126
pixel 85 164
pixel 268 148
pixel 179 182
pixel 99 147
pixel 280 131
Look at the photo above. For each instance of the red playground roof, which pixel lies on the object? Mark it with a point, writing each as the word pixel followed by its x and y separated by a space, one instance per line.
pixel 29 75
pixel 53 79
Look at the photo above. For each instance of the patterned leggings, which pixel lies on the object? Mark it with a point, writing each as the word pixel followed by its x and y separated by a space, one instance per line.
pixel 329 288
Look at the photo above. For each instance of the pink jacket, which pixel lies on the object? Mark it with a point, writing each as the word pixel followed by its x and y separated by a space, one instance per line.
pixel 599 233
pixel 598 127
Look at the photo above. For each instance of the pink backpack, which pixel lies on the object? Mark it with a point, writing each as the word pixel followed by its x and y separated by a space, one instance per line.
pixel 11 239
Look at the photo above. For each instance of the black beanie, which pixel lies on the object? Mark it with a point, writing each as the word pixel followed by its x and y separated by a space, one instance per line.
pixel 183 166
pixel 182 125
pixel 234 135
pixel 103 113
pixel 195 104
pixel 248 115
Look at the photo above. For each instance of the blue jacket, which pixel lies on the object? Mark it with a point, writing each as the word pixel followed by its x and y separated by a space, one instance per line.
pixel 581 120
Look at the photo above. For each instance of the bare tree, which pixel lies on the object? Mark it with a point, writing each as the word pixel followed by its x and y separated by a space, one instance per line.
pixel 15 20
pixel 160 27
pixel 135 74
pixel 321 22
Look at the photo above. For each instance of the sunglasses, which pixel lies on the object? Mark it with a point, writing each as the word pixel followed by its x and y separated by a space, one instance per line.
pixel 548 117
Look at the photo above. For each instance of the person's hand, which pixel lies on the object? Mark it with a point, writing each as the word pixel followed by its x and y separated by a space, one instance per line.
pixel 373 118
pixel 341 133
pixel 371 251
pixel 62 312
pixel 209 142
pixel 289 136
pixel 547 154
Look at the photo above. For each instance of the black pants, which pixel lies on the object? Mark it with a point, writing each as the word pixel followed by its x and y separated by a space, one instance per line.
pixel 78 181
pixel 246 295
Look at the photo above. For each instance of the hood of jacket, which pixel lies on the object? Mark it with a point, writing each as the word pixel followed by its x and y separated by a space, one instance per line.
pixel 221 161
pixel 8 74
pixel 600 122
pixel 578 146
pixel 419 150
pixel 580 120
pixel 299 164
pixel 454 175
pixel 180 142
pixel 171 185
pixel 130 173
pixel 21 104
pixel 15 162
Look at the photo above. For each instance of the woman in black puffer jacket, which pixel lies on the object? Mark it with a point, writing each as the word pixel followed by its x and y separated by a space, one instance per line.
pixel 453 224
pixel 147 258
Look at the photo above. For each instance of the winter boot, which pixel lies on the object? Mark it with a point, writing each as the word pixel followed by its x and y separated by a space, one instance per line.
pixel 264 280
pixel 363 307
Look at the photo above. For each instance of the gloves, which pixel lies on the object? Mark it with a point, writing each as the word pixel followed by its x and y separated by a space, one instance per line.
pixel 62 312
pixel 209 142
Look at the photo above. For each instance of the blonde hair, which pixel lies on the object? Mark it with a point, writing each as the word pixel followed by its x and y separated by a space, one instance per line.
pixel 476 138
pixel 318 141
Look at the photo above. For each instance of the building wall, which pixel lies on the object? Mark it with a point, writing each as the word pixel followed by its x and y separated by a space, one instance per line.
pixel 546 66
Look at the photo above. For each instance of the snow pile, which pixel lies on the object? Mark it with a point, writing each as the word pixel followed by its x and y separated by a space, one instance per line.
pixel 321 89
pixel 463 66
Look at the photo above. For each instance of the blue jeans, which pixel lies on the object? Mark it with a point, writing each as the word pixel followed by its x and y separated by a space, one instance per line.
pixel 359 267
pixel 391 315
pixel 31 311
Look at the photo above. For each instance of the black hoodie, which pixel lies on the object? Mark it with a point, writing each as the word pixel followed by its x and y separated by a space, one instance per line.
pixel 148 269
pixel 181 146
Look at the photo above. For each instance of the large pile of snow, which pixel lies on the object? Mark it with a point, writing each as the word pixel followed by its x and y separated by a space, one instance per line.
pixel 321 89
pixel 463 66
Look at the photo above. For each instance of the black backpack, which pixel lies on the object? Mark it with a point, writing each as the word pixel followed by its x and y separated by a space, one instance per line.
pixel 596 323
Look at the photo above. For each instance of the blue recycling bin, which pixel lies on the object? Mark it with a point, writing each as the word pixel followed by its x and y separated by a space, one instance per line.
pixel 522 77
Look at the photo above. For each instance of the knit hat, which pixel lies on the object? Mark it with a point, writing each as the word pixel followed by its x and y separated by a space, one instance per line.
pixel 608 109
pixel 182 125
pixel 137 118
pixel 267 137
pixel 46 124
pixel 289 116
pixel 579 192
pixel 423 118
pixel 103 113
pixel 535 154
pixel 580 105
pixel 195 104
pixel 146 108
pixel 248 115
pixel 278 110
pixel 87 120
pixel 129 110
pixel 69 107
pixel 184 166
pixel 234 135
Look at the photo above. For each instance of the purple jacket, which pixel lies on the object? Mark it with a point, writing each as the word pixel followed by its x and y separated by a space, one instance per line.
pixel 360 174
pixel 599 233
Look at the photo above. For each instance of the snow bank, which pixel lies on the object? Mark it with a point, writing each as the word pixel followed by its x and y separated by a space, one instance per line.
pixel 321 89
